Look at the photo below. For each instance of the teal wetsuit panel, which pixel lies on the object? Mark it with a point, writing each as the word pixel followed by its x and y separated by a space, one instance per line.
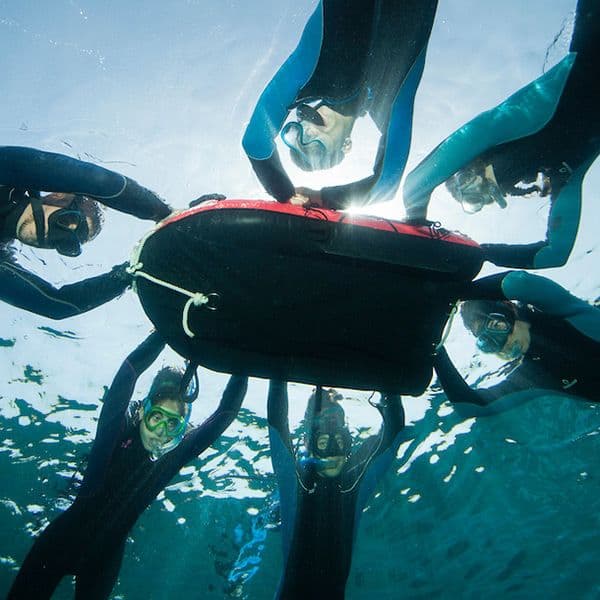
pixel 563 223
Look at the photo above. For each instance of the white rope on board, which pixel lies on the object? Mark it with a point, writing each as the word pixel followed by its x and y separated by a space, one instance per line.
pixel 448 326
pixel 194 298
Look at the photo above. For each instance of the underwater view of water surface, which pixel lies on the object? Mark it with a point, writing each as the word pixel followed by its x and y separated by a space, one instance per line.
pixel 458 497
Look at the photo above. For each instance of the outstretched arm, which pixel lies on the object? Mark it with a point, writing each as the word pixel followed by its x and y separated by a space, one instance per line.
pixel 456 388
pixel 392 413
pixel 198 440
pixel 25 290
pixel 277 411
pixel 113 415
pixel 522 114
pixel 32 169
pixel 273 107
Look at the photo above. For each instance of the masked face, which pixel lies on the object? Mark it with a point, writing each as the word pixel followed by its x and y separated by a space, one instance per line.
pixel 57 222
pixel 162 426
pixel 503 335
pixel 475 187
pixel 319 139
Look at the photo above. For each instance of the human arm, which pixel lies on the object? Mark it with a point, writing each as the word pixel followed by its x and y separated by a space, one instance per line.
pixel 563 223
pixel 273 107
pixel 113 415
pixel 524 113
pixel 457 389
pixel 25 290
pixel 201 437
pixel 32 169
pixel 277 411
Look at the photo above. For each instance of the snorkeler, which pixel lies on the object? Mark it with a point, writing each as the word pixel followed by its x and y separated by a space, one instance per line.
pixel 324 491
pixel 63 220
pixel 542 140
pixel 554 336
pixel 134 456
pixel 353 59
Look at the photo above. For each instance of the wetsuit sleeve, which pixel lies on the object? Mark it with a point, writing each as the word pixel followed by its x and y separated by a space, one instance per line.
pixel 32 169
pixel 456 388
pixel 524 113
pixel 198 440
pixel 113 418
pixel 25 290
pixel 392 152
pixel 563 223
pixel 277 411
pixel 273 107
pixel 512 255
pixel 392 413
pixel 272 175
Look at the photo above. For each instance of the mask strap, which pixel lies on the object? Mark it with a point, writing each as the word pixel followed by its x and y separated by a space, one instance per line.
pixel 39 219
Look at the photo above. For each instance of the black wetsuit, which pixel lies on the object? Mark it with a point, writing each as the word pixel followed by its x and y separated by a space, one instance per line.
pixel 29 169
pixel 564 352
pixel 88 539
pixel 358 58
pixel 320 515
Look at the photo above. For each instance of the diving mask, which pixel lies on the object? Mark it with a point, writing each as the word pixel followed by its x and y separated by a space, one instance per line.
pixel 67 226
pixel 494 333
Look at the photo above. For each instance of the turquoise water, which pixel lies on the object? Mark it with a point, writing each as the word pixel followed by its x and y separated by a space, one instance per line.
pixel 498 507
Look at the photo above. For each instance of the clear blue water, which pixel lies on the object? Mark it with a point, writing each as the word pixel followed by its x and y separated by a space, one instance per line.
pixel 492 507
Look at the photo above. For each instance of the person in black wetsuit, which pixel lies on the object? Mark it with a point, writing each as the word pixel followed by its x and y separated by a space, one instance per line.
pixel 530 154
pixel 62 220
pixel 133 458
pixel 554 336
pixel 353 58
pixel 323 493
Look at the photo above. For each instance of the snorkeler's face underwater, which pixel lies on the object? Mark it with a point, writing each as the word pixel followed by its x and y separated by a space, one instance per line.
pixel 497 335
pixel 331 451
pixel 319 139
pixel 475 187
pixel 162 426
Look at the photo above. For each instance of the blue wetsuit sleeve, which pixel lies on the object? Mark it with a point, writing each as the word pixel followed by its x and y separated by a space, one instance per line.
pixel 525 112
pixel 25 290
pixel 552 299
pixel 391 155
pixel 113 417
pixel 201 437
pixel 273 107
pixel 32 169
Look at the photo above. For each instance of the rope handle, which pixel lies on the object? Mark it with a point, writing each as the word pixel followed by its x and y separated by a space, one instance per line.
pixel 209 301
